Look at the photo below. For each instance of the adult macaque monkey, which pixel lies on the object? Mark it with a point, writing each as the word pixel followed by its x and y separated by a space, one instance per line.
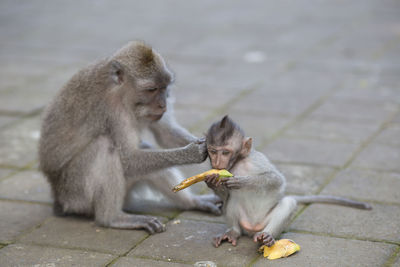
pixel 91 149
pixel 254 201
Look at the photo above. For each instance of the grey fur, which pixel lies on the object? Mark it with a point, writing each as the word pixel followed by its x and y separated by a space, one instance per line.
pixel 255 195
pixel 90 144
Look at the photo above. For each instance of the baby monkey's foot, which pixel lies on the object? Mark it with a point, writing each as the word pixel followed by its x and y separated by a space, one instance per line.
pixel 231 236
pixel 264 238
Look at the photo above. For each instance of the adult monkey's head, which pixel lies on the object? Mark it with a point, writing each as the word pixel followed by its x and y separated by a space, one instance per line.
pixel 142 78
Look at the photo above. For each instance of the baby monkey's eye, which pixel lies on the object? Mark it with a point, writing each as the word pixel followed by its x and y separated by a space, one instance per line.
pixel 225 152
pixel 212 151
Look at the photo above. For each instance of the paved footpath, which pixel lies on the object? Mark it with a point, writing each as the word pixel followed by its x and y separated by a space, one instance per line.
pixel 315 83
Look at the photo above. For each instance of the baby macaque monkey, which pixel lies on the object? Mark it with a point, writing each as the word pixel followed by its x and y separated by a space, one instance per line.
pixel 254 201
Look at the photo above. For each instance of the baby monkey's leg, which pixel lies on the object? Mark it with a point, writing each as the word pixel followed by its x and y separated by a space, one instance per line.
pixel 278 219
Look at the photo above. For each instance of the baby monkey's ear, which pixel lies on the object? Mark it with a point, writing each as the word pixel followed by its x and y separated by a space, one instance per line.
pixel 246 146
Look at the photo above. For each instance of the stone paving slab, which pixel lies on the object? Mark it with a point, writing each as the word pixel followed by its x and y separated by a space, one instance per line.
pixel 397 263
pixel 366 185
pixel 396 119
pixel 17 218
pixel 200 216
pixel 371 88
pixel 5 173
pixel 350 110
pixel 260 128
pixel 303 179
pixel 277 105
pixel 5 120
pixel 342 221
pixel 311 151
pixel 333 130
pixel 28 255
pixel 18 100
pixel 190 241
pixel 80 233
pixel 330 251
pixel 381 157
pixel 390 135
pixel 18 144
pixel 26 185
pixel 137 262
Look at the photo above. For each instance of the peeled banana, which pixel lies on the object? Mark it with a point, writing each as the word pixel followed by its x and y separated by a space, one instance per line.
pixel 281 248
pixel 200 177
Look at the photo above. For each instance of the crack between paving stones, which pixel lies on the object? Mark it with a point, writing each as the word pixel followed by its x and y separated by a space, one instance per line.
pixel 162 260
pixel 301 116
pixel 223 108
pixel 321 138
pixel 254 260
pixel 375 170
pixel 392 259
pixel 386 47
pixel 371 138
pixel 141 241
pixel 362 146
pixel 19 116
pixel 14 172
pixel 288 66
pixel 30 230
pixel 128 251
pixel 21 201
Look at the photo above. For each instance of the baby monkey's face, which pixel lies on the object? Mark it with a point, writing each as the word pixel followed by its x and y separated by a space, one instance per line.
pixel 220 157
pixel 226 144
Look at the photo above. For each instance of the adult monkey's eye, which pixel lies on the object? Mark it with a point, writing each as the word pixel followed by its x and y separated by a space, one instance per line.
pixel 226 152
pixel 152 90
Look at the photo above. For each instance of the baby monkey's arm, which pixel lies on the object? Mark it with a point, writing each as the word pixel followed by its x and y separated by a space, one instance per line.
pixel 266 179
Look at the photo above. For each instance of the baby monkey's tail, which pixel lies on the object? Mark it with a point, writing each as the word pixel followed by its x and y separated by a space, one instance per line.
pixel 332 200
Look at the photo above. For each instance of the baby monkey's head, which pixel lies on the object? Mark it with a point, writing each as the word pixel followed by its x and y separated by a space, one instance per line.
pixel 226 144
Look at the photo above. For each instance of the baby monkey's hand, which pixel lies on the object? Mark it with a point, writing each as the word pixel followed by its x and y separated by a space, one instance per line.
pixel 213 181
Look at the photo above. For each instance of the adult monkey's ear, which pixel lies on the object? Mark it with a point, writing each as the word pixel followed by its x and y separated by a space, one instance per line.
pixel 246 146
pixel 116 72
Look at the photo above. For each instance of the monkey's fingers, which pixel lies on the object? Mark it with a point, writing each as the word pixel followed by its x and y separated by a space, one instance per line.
pixel 211 179
pixel 233 183
pixel 153 225
pixel 258 237
pixel 200 140
pixel 232 240
pixel 217 241
pixel 268 241
pixel 224 179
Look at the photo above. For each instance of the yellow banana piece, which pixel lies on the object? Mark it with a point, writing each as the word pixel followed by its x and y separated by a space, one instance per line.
pixel 200 177
pixel 281 248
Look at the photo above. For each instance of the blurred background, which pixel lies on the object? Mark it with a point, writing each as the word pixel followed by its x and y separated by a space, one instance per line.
pixel 315 83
